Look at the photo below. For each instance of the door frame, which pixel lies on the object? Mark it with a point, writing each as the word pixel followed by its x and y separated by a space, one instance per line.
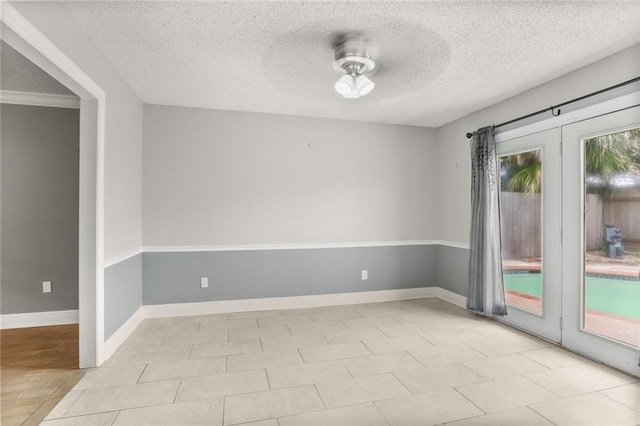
pixel 547 324
pixel 23 36
pixel 604 349
pixel 616 100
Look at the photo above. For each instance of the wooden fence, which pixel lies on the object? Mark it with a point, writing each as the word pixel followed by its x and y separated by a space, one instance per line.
pixel 621 210
pixel 520 216
pixel 521 221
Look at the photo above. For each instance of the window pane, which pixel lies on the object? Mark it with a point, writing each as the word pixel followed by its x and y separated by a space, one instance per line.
pixel 521 229
pixel 612 236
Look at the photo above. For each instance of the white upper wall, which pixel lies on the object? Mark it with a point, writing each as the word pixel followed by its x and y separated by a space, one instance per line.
pixel 218 178
pixel 123 142
pixel 453 153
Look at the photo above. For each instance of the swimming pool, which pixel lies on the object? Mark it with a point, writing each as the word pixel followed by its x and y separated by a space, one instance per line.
pixel 615 296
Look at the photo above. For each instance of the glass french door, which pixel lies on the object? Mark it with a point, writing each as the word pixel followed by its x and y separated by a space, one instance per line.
pixel 601 226
pixel 570 231
pixel 530 201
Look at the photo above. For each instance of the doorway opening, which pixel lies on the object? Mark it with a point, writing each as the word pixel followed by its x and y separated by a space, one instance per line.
pixel 21 35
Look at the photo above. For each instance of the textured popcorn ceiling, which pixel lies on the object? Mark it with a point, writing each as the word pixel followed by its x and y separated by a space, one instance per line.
pixel 19 74
pixel 438 60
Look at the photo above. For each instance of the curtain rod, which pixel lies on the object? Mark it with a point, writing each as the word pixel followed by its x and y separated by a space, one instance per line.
pixel 557 107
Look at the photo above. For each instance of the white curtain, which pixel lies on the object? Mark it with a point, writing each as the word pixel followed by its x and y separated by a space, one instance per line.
pixel 485 292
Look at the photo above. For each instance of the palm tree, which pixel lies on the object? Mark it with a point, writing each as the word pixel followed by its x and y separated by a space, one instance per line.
pixel 609 157
pixel 606 158
pixel 522 172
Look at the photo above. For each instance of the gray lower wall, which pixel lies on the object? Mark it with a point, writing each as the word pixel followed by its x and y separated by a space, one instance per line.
pixel 122 293
pixel 39 208
pixel 452 269
pixel 175 277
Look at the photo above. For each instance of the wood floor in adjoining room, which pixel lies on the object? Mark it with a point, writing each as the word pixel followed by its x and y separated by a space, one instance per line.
pixel 38 367
pixel 415 362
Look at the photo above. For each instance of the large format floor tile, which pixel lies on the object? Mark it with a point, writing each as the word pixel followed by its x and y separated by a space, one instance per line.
pixel 581 378
pixel 193 413
pixel 592 408
pixel 306 374
pixel 199 338
pixel 274 403
pixel 503 394
pixel 102 377
pixel 428 409
pixel 316 328
pixel 221 385
pixel 181 369
pixel 354 335
pixel 259 333
pixel 379 364
pixel 396 344
pixel 370 322
pixel 365 389
pixel 145 356
pixel 522 416
pixel 445 354
pixel 361 415
pixel 628 395
pixel 284 320
pixel 417 362
pixel 233 347
pixel 113 398
pixel 333 352
pixel 102 419
pixel 506 345
pixel 437 377
pixel 503 366
pixel 261 360
pixel 292 342
pixel 553 357
pixel 407 329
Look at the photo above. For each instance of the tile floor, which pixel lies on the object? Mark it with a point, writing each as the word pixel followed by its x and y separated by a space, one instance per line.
pixel 417 362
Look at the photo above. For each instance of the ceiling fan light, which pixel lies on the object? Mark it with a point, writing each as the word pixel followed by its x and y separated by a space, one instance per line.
pixel 345 86
pixel 364 85
pixel 353 95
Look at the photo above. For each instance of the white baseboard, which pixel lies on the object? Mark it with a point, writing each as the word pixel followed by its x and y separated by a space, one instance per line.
pixel 272 303
pixel 112 344
pixel 295 302
pixel 38 319
pixel 451 297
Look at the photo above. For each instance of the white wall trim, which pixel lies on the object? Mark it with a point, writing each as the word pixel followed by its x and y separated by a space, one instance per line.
pixel 453 244
pixel 116 340
pixel 295 302
pixel 39 99
pixel 38 319
pixel 299 246
pixel 121 257
pixel 451 297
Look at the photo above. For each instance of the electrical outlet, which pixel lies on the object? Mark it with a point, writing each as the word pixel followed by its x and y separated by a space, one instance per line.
pixel 204 282
pixel 365 274
pixel 46 286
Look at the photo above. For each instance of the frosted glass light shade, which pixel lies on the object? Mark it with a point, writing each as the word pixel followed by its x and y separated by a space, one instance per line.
pixel 364 85
pixel 345 85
